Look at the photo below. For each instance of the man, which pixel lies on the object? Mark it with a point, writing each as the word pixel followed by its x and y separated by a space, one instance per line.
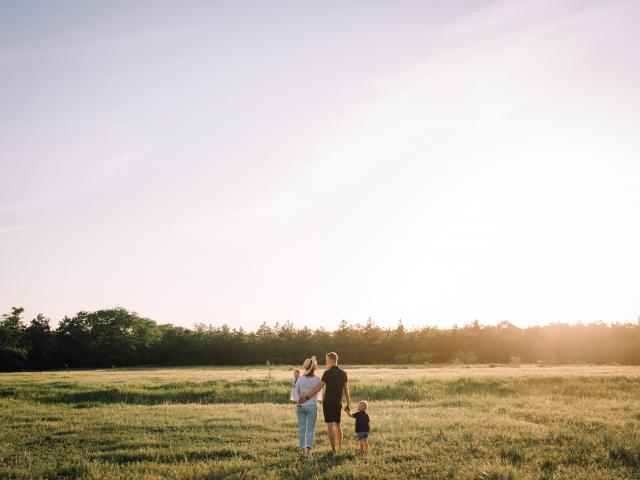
pixel 334 379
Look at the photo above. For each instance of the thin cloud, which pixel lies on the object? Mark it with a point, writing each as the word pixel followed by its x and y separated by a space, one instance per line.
pixel 9 229
pixel 100 175
pixel 124 42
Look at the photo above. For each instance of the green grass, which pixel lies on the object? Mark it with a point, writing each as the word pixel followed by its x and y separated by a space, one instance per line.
pixel 214 423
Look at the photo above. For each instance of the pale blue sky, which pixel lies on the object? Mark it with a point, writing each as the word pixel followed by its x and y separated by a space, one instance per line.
pixel 228 162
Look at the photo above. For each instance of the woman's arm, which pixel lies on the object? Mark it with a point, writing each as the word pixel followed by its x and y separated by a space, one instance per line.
pixel 312 392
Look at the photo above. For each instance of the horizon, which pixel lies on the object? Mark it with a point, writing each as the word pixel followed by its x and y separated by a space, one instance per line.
pixel 437 164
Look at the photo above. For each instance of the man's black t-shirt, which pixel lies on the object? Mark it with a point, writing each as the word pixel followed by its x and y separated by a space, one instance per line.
pixel 362 422
pixel 334 379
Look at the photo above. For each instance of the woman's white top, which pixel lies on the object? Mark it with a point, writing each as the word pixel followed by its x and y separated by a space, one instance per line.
pixel 304 385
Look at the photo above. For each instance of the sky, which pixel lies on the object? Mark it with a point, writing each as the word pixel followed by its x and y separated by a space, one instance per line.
pixel 248 162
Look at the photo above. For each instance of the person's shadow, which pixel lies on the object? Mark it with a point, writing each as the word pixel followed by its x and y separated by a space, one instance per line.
pixel 323 462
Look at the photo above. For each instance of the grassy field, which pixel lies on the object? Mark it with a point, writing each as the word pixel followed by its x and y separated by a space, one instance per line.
pixel 427 422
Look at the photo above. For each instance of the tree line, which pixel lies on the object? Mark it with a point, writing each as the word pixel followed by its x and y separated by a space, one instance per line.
pixel 117 337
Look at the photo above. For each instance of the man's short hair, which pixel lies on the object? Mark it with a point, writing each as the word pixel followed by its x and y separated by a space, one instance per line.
pixel 333 356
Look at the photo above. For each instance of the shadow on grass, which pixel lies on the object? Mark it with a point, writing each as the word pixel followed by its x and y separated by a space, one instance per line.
pixel 127 456
pixel 217 391
pixel 450 393
pixel 626 456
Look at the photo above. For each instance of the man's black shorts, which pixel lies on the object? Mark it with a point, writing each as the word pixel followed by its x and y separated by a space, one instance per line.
pixel 332 411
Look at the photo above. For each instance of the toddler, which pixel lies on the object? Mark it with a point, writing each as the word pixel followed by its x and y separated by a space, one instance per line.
pixel 362 425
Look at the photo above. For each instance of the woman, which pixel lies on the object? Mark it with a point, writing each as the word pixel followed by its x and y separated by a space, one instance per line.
pixel 308 411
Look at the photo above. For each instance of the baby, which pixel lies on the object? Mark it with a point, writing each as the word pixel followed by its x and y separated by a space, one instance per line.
pixel 362 425
pixel 294 395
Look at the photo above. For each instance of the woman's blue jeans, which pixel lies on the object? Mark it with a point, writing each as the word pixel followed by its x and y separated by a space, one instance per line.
pixel 307 415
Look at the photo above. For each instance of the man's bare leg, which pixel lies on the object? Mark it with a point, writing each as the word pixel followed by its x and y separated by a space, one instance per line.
pixel 332 435
pixel 339 436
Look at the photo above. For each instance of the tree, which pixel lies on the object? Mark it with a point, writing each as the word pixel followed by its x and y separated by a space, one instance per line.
pixel 73 336
pixel 118 337
pixel 42 344
pixel 13 346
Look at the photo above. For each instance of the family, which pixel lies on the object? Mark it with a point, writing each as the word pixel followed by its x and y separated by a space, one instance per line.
pixel 307 392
